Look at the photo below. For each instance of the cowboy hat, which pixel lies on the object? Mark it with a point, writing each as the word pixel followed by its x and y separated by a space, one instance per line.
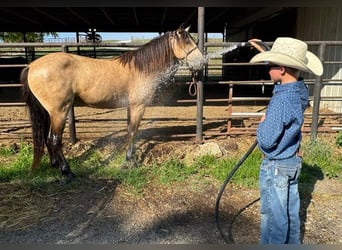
pixel 291 52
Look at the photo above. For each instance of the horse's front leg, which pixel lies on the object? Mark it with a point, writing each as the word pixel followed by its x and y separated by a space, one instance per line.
pixel 134 116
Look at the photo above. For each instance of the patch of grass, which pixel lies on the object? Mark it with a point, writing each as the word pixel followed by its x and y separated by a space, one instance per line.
pixel 18 168
pixel 134 179
pixel 6 151
pixel 173 170
pixel 319 161
pixel 319 157
pixel 338 139
pixel 247 174
pixel 87 166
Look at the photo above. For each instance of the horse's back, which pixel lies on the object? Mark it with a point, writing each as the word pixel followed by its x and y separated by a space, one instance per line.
pixel 97 82
pixel 50 67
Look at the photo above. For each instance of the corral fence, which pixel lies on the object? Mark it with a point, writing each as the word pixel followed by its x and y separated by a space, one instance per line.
pixel 214 74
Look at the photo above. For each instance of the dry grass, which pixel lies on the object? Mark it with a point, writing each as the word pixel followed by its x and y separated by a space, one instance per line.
pixel 21 208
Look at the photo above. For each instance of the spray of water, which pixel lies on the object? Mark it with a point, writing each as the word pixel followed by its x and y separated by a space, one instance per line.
pixel 145 92
pixel 220 52
pixel 167 77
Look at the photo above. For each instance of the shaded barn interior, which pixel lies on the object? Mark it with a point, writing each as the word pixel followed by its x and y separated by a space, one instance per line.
pixel 10 75
pixel 232 22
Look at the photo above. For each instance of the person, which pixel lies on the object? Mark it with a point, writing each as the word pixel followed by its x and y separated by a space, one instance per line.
pixel 279 137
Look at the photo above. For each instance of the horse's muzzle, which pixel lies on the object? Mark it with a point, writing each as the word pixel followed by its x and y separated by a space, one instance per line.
pixel 197 64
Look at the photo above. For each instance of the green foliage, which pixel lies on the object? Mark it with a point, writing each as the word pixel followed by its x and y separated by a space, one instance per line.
pixel 19 166
pixel 318 155
pixel 338 140
pixel 172 170
pixel 246 175
pixel 135 178
pixel 12 37
pixel 317 152
pixel 6 151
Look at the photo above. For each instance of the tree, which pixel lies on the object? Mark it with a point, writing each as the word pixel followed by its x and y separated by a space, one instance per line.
pixel 12 37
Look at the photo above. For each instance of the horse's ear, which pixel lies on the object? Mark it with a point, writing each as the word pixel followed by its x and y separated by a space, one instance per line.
pixel 181 26
pixel 187 28
pixel 181 29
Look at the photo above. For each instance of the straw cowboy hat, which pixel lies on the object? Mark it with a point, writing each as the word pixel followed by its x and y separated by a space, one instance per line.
pixel 291 52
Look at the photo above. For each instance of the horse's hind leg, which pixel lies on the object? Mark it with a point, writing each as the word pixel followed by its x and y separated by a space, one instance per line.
pixel 52 155
pixel 54 145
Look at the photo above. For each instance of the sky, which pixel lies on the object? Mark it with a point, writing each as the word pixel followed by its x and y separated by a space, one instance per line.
pixel 120 36
pixel 112 36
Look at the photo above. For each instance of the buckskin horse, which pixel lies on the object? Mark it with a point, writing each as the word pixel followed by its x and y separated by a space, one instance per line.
pixel 52 82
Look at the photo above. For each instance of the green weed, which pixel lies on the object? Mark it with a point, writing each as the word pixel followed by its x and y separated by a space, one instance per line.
pixel 6 151
pixel 338 139
pixel 319 155
pixel 135 179
pixel 172 170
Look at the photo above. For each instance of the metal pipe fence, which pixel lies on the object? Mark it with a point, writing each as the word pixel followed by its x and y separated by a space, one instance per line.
pixel 213 75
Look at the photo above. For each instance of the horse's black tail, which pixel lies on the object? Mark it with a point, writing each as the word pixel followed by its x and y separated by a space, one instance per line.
pixel 39 118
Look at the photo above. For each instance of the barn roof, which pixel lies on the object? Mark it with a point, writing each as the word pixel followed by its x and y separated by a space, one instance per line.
pixel 129 19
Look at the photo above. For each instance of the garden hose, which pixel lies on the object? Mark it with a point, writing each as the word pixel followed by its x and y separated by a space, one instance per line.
pixel 260 46
pixel 226 181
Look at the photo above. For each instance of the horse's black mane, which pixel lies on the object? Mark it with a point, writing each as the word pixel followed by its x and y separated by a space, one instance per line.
pixel 155 55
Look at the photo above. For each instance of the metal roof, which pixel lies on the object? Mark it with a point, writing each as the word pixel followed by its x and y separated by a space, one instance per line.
pixel 130 19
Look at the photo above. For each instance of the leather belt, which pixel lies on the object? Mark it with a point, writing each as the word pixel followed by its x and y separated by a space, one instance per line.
pixel 298 153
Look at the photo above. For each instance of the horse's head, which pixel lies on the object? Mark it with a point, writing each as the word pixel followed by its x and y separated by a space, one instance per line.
pixel 185 48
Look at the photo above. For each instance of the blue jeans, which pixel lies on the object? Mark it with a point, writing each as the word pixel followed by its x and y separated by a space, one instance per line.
pixel 280 202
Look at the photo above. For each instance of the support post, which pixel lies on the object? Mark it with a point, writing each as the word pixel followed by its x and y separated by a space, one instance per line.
pixel 317 97
pixel 199 117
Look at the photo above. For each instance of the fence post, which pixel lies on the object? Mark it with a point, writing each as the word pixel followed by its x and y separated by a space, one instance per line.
pixel 317 96
pixel 230 108
pixel 71 114
pixel 199 116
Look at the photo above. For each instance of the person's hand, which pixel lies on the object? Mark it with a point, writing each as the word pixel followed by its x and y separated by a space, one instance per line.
pixel 256 44
pixel 263 118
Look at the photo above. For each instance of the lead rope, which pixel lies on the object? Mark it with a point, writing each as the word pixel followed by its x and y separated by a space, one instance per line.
pixel 193 85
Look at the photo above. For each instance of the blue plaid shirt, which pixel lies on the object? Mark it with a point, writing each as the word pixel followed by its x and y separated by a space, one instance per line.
pixel 279 135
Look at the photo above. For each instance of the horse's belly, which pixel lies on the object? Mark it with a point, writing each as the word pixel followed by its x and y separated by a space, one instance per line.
pixel 100 99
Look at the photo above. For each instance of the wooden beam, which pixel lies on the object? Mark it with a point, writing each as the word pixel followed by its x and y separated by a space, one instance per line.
pixel 79 17
pixel 135 16
pixel 261 14
pixel 195 11
pixel 21 16
pixel 217 16
pixel 163 17
pixel 49 16
pixel 107 16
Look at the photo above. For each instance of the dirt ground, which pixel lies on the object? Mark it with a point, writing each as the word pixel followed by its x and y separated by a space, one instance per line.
pixel 104 212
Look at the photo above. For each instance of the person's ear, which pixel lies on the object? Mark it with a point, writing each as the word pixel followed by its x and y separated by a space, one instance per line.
pixel 282 70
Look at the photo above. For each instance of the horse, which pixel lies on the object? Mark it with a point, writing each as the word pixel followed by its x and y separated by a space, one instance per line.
pixel 53 82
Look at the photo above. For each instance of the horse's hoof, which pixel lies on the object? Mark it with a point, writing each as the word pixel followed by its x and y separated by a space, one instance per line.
pixel 54 164
pixel 69 177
